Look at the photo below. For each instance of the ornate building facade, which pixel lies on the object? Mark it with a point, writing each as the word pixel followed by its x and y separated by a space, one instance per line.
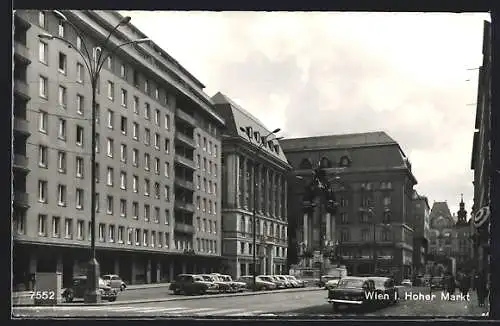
pixel 421 230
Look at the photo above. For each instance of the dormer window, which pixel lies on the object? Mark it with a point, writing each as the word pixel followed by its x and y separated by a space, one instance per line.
pixel 262 139
pixel 277 149
pixel 270 145
pixel 249 132
pixel 256 135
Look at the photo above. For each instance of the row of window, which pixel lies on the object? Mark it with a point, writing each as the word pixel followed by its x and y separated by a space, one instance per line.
pixel 247 249
pixel 61 130
pixel 265 228
pixel 211 149
pixel 367 235
pixel 208 187
pixel 211 208
pixel 208 225
pixel 210 168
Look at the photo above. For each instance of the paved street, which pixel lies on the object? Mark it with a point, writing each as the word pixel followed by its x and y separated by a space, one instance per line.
pixel 234 306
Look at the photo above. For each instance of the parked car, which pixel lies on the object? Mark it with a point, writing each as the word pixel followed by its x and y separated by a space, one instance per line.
pixel 352 291
pixel 270 278
pixel 282 278
pixel 293 282
pixel 114 281
pixel 300 283
pixel 437 283
pixel 332 283
pixel 323 279
pixel 260 284
pixel 189 284
pixel 236 286
pixel 385 290
pixel 406 282
pixel 222 286
pixel 79 286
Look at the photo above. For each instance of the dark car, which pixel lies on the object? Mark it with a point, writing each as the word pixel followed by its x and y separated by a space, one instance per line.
pixel 437 283
pixel 353 291
pixel 189 284
pixel 79 286
pixel 386 292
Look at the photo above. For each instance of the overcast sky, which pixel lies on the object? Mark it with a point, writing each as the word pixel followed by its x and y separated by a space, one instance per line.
pixel 330 73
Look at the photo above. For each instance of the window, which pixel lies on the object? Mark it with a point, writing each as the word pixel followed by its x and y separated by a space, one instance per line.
pixel 166 167
pixel 42 121
pixel 79 135
pixel 62 97
pixel 123 208
pixel 123 125
pixel 135 130
pixel 42 156
pixel 204 143
pixel 111 119
pixel 157 117
pixel 110 63
pixel 167 145
pixel 111 231
pixel 61 133
pixel 79 167
pixel 68 228
pixel 156 141
pixel 56 226
pixel 157 190
pixel 111 90
pixel 61 195
pixel 198 140
pixel 129 235
pixel 147 111
pixel 42 52
pixel 167 122
pixel 145 237
pixel 79 198
pixel 198 160
pixel 79 72
pixel 147 187
pixel 147 213
pixel 135 183
pixel 79 104
pixel 97 113
pixel 61 161
pixel 110 147
pixel 42 87
pixel 135 210
pixel 136 105
pixel 135 157
pixel 167 193
pixel 387 201
pixel 101 232
pixel 215 151
pixel 123 180
pixel 120 234
pixel 157 214
pixel 79 229
pixel 109 205
pixel 97 172
pixel 97 200
pixel 41 19
pixel 61 28
pixel 137 237
pixel 97 143
pixel 157 93
pixel 124 98
pixel 147 162
pixel 147 136
pixel 146 86
pixel 167 217
pixel 157 165
pixel 42 225
pixel 123 153
pixel 344 218
pixel 109 176
pixel 78 43
pixel 62 63
pixel 123 71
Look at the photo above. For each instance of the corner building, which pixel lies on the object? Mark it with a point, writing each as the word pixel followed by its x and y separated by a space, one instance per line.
pixel 154 127
pixel 242 151
pixel 369 172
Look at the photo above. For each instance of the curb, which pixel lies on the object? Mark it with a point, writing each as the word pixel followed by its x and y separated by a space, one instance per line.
pixel 196 297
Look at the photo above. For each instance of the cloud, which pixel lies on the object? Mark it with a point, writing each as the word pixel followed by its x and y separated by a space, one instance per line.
pixel 329 73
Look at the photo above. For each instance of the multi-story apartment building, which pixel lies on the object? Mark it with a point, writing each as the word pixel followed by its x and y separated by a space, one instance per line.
pixel 151 116
pixel 481 153
pixel 420 232
pixel 246 151
pixel 373 182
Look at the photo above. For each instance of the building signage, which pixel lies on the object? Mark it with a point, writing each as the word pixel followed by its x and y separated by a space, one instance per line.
pixel 481 216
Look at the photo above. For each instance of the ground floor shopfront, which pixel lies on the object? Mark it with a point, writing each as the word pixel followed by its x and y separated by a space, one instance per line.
pixel 241 265
pixel 132 266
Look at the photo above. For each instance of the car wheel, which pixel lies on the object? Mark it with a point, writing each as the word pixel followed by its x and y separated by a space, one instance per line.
pixel 264 288
pixel 111 299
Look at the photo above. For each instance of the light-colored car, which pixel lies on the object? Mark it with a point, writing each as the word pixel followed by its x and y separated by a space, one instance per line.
pixel 236 286
pixel 214 285
pixel 285 280
pixel 271 278
pixel 259 285
pixel 114 281
pixel 331 284
pixel 406 282
pixel 299 282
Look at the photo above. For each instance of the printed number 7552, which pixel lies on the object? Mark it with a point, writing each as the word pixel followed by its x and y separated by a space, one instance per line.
pixel 43 295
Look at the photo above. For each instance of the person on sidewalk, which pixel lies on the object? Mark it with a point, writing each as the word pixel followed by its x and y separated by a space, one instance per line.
pixel 480 282
pixel 450 283
pixel 465 284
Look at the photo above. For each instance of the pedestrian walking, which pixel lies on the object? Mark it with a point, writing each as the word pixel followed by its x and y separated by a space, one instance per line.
pixel 480 283
pixel 465 284
pixel 450 283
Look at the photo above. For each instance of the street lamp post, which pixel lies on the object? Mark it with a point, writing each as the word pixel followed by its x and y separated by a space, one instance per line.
pixel 93 64
pixel 254 208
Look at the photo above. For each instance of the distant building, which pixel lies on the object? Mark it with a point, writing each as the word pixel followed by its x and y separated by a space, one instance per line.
pixel 374 186
pixel 245 144
pixel 421 232
pixel 462 246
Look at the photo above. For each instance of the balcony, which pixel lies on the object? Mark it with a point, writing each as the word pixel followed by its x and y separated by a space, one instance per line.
pixel 181 115
pixel 21 162
pixel 22 52
pixel 21 198
pixel 184 206
pixel 189 185
pixel 183 228
pixel 184 161
pixel 22 126
pixel 185 139
pixel 21 88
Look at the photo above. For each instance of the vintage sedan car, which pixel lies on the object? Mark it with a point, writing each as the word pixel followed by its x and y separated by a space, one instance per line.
pixel 323 279
pixel 294 280
pixel 114 281
pixel 235 285
pixel 222 286
pixel 270 278
pixel 79 286
pixel 259 285
pixel 332 283
pixel 189 284
pixel 353 291
pixel 285 280
pixel 386 292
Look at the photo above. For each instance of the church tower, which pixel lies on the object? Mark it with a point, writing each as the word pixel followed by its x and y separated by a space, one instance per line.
pixel 462 213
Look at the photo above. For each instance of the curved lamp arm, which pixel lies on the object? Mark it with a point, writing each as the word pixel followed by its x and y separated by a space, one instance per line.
pixel 124 21
pixel 79 33
pixel 101 59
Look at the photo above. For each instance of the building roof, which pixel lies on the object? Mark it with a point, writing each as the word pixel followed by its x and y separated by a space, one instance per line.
pixel 236 118
pixel 441 209
pixel 376 138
